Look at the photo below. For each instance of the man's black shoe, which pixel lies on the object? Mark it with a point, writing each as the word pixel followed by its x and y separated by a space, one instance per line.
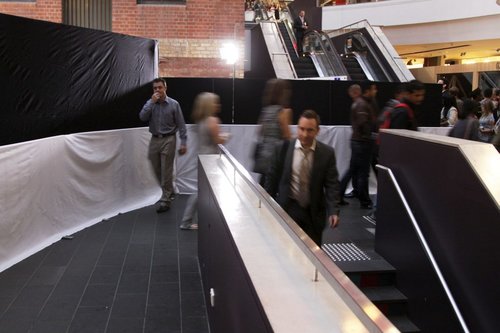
pixel 350 195
pixel 164 207
pixel 367 206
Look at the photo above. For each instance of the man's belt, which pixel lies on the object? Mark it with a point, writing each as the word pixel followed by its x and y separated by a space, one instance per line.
pixel 162 135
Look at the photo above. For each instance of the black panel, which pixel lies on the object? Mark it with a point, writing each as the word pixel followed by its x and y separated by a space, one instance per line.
pixel 458 218
pixel 237 306
pixel 313 94
pixel 185 90
pixel 328 98
pixel 59 79
pixel 396 241
pixel 260 61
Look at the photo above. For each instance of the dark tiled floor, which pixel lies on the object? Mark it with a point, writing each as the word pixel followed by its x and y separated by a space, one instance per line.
pixel 353 228
pixel 136 272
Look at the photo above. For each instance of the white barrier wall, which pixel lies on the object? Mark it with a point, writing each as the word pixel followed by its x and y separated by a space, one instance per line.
pixel 56 186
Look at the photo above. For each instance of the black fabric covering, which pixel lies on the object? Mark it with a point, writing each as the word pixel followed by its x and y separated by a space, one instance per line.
pixel 328 98
pixel 58 79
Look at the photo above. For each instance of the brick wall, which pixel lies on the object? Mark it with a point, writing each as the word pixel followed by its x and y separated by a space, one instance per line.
pixel 189 35
pixel 46 10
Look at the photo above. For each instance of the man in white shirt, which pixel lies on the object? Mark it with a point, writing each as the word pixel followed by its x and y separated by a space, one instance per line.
pixel 303 178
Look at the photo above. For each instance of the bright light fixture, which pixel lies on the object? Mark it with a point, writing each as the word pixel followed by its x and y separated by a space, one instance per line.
pixel 229 53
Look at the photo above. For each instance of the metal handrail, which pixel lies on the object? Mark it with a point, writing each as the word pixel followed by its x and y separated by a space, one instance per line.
pixel 333 58
pixel 372 32
pixel 365 24
pixel 282 41
pixel 323 264
pixel 427 249
pixel 350 25
pixel 379 63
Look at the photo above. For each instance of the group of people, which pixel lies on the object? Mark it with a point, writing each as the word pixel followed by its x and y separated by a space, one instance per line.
pixel 299 173
pixel 366 120
pixel 476 118
pixel 264 10
pixel 165 119
pixel 311 201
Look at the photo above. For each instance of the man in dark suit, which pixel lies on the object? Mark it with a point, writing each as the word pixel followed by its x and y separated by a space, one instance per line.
pixel 300 27
pixel 303 179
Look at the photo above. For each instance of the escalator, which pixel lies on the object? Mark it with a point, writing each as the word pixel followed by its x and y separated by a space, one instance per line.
pixel 357 48
pixel 348 54
pixel 372 51
pixel 304 66
pixel 354 69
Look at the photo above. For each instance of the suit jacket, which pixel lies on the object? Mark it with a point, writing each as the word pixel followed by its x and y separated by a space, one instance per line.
pixel 297 25
pixel 324 185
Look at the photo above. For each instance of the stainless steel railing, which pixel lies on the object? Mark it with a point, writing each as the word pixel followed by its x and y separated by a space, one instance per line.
pixel 367 313
pixel 426 247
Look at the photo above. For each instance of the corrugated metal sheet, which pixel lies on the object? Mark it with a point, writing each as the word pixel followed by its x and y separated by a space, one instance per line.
pixel 94 14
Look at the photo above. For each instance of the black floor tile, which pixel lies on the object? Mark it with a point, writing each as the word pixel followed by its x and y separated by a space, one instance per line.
pixel 99 295
pixel 189 263
pixel 192 304
pixel 60 308
pixel 158 320
pixel 164 274
pixel 120 275
pixel 167 242
pixel 195 325
pixel 11 285
pixel 134 283
pixel 166 257
pixel 5 302
pixel 61 253
pixel 129 305
pixel 18 319
pixel 112 257
pixel 50 327
pixel 188 249
pixel 33 296
pixel 47 276
pixel 164 294
pixel 125 325
pixel 89 319
pixel 105 275
pixel 73 283
pixel 191 282
pixel 30 264
pixel 16 326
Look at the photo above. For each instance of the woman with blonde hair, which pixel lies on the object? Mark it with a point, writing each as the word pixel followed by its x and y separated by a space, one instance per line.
pixel 205 109
pixel 486 122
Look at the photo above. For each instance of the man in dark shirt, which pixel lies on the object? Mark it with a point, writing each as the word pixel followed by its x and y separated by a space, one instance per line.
pixel 165 118
pixel 303 179
pixel 300 27
pixel 403 114
pixel 362 141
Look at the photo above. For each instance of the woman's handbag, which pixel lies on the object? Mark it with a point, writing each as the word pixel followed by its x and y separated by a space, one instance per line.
pixel 260 162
